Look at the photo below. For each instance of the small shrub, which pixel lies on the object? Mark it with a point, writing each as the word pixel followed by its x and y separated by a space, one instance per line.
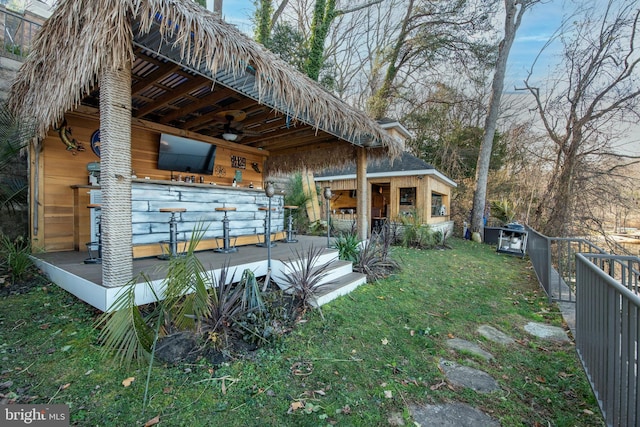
pixel 415 234
pixel 348 246
pixel 374 258
pixel 16 255
pixel 305 279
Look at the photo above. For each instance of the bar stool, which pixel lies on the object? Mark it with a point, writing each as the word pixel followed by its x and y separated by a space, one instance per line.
pixel 173 234
pixel 267 238
pixel 226 238
pixel 97 244
pixel 290 232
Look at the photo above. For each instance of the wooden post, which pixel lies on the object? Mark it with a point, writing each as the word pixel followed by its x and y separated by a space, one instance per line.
pixel 362 194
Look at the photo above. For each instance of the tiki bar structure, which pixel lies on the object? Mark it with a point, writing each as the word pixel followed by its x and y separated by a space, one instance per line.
pixel 146 109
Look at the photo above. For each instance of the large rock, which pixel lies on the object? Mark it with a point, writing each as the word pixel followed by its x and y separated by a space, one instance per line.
pixel 451 415
pixel 547 332
pixel 495 335
pixel 473 348
pixel 465 376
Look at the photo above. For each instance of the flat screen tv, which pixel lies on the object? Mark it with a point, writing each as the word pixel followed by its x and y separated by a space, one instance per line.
pixel 185 155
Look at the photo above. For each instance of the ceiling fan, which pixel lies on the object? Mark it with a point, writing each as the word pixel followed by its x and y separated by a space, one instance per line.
pixel 232 130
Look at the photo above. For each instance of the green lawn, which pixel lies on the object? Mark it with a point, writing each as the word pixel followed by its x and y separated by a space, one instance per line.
pixel 376 351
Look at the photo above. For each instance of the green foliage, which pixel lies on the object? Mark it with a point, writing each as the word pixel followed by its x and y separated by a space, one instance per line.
pixel 414 234
pixel 187 283
pixel 446 134
pixel 289 43
pixel 16 254
pixel 503 209
pixel 125 330
pixel 269 324
pixel 14 137
pixel 348 245
pixel 262 19
pixel 305 277
pixel 251 298
pixel 324 13
pixel 295 196
pixel 374 259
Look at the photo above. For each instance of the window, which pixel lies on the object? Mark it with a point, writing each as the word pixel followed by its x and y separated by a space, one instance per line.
pixel 438 207
pixel 407 201
pixel 408 196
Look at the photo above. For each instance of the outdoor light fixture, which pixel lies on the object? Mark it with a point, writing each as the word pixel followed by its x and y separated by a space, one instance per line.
pixel 327 197
pixel 228 136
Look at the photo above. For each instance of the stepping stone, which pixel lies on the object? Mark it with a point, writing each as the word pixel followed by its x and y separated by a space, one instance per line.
pixel 465 376
pixel 451 415
pixel 495 335
pixel 473 348
pixel 547 332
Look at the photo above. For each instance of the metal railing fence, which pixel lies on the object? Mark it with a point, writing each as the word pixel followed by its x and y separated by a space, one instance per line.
pixel 607 334
pixel 16 35
pixel 553 260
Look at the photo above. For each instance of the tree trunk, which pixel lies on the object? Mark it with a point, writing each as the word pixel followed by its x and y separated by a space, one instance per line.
pixel 512 22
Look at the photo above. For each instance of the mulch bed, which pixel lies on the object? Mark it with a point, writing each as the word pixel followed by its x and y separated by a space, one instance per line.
pixel 32 279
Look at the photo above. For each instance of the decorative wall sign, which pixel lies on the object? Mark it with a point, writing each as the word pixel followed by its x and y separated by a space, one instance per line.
pixel 220 171
pixel 95 143
pixel 238 162
pixel 238 176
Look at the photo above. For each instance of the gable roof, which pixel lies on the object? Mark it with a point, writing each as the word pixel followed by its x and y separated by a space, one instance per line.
pixel 405 165
pixel 180 55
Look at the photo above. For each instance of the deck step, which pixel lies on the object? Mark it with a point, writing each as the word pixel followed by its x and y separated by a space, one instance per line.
pixel 339 278
pixel 338 288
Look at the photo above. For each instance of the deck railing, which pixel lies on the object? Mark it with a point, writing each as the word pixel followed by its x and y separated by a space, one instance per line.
pixel 553 260
pixel 17 32
pixel 604 288
pixel 608 333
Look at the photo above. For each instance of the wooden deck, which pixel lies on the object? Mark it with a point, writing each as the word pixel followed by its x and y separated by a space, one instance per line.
pixel 67 269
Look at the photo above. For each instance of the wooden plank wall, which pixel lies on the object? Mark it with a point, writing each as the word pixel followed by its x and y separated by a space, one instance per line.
pixel 424 185
pixel 59 169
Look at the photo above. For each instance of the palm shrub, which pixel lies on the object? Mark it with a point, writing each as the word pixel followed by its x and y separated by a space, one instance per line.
pixel 193 300
pixel 348 246
pixel 504 210
pixel 415 234
pixel 374 257
pixel 126 330
pixel 306 277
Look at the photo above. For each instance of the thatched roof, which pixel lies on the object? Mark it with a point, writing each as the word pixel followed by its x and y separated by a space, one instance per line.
pixel 83 37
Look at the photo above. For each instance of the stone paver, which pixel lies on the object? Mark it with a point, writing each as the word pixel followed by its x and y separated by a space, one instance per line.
pixel 465 376
pixel 547 332
pixel 460 344
pixel 451 415
pixel 495 335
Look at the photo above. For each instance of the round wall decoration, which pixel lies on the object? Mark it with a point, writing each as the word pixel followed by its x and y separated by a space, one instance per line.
pixel 95 143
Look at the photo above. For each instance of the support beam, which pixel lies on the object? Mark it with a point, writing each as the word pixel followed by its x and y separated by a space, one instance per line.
pixel 115 175
pixel 362 194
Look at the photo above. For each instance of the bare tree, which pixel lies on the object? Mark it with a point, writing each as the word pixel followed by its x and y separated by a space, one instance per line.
pixel 514 11
pixel 584 110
